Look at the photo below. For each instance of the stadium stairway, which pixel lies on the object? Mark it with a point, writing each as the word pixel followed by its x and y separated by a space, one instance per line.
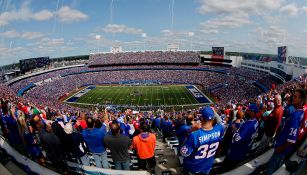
pixel 166 157
pixel 11 168
pixel 4 171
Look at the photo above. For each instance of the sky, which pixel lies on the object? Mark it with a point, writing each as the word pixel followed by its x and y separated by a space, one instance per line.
pixel 56 28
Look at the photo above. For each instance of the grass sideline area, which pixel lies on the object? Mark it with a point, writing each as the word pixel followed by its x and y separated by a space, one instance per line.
pixel 157 95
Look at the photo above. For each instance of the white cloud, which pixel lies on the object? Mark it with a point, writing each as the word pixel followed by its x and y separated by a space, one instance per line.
pixel 43 15
pixel 23 14
pixel 290 9
pixel 305 31
pixel 304 9
pixel 58 41
pixel 64 14
pixel 234 6
pixel 168 32
pixel 229 21
pixel 120 28
pixel 223 8
pixel 68 15
pixel 209 31
pixel 22 35
pixel 10 34
pixel 272 36
pixel 32 35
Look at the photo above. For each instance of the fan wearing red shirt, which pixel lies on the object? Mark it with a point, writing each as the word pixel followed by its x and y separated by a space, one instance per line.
pixel 271 123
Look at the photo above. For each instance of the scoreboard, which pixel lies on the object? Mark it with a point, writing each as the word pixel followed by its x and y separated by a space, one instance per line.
pixel 32 63
pixel 217 53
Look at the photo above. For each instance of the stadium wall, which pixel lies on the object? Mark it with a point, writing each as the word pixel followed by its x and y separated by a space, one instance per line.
pixel 127 69
pixel 278 71
pixel 12 81
pixel 228 61
pixel 32 167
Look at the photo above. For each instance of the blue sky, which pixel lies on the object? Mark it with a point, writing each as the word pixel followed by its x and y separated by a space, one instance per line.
pixel 33 28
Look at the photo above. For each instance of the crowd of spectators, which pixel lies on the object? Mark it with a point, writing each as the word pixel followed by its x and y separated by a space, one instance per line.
pixel 143 57
pixel 44 128
pixel 41 77
pixel 49 92
pixel 55 134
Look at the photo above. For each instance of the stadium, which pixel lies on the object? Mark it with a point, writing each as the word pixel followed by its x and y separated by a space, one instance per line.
pixel 162 111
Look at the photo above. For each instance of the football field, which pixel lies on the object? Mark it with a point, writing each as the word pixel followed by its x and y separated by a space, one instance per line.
pixel 158 95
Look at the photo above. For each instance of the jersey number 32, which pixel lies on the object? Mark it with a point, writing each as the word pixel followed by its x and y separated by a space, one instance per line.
pixel 207 151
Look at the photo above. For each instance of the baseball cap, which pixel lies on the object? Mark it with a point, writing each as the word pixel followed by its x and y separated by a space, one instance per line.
pixel 253 108
pixel 207 113
pixel 68 128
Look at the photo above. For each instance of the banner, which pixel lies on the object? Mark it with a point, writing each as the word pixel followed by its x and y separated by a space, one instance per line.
pixel 282 54
pixel 217 53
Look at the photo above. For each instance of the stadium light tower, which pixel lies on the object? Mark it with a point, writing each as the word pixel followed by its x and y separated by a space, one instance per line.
pixel 98 37
pixel 191 34
pixel 144 35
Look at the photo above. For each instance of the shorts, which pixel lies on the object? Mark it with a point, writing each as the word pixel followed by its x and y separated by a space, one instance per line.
pixel 150 161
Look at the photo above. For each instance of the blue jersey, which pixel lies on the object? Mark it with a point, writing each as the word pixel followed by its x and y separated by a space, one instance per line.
pixel 167 126
pixel 242 140
pixel 199 149
pixel 157 122
pixel 290 130
pixel 182 132
pixel 13 132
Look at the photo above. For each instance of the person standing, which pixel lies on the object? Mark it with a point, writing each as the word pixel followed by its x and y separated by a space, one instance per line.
pixel 144 144
pixel 94 138
pixel 76 144
pixel 52 145
pixel 200 147
pixel 289 133
pixel 119 145
pixel 242 140
pixel 271 124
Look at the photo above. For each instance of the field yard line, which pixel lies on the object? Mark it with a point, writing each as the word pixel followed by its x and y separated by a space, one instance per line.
pixel 90 96
pixel 175 96
pixel 173 92
pixel 84 95
pixel 118 90
pixel 182 96
pixel 203 94
pixel 145 97
pixel 187 91
pixel 158 97
pixel 130 91
pixel 79 89
pixel 127 92
pixel 151 94
pixel 140 96
pixel 163 95
pixel 88 104
pixel 104 91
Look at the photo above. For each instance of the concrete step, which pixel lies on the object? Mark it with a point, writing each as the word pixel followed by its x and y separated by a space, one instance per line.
pixel 4 171
pixel 14 169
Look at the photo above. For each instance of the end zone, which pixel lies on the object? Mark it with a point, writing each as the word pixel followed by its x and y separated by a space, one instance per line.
pixel 198 95
pixel 79 94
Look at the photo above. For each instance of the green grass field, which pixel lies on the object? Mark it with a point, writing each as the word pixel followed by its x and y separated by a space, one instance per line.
pixel 160 95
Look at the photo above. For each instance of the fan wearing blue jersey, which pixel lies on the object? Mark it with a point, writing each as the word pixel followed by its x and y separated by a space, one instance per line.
pixel 200 147
pixel 289 133
pixel 242 140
